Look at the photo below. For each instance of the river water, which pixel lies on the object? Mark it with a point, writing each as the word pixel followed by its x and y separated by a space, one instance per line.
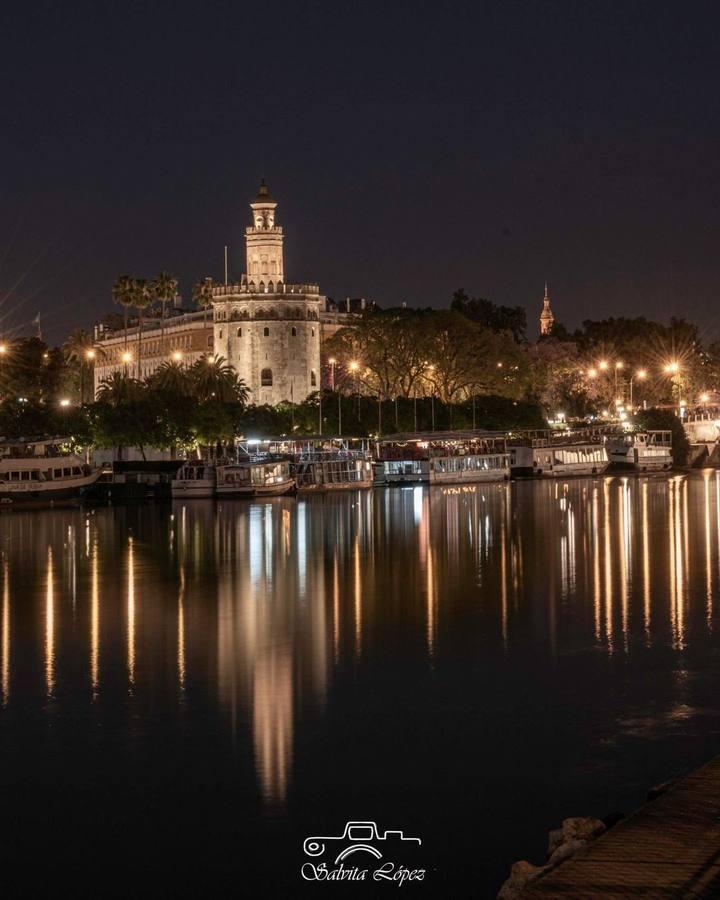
pixel 189 691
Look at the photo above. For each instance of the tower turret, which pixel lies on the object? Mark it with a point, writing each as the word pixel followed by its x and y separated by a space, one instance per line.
pixel 264 241
pixel 546 316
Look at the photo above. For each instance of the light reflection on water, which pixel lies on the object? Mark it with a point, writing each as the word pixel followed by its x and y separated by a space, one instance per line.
pixel 255 609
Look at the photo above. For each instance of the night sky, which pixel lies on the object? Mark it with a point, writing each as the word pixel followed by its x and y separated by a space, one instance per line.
pixel 414 148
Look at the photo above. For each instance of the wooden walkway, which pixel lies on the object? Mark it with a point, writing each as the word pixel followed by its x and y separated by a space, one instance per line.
pixel 668 848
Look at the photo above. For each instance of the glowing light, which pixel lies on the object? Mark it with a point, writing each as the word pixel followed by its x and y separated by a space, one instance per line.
pixel 3 348
pixel 619 364
pixel 603 364
pixel 177 356
pixel 592 373
pixel 672 368
pixel 332 360
pixel 704 397
pixel 641 373
pixel 354 365
pixel 64 402
pixel 89 354
pixel 127 357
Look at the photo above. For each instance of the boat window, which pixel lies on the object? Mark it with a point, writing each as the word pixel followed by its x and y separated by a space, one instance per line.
pixel 67 471
pixel 34 475
pixel 57 473
pixel 25 476
pixel 77 470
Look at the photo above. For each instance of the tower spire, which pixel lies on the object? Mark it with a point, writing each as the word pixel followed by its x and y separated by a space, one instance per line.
pixel 546 316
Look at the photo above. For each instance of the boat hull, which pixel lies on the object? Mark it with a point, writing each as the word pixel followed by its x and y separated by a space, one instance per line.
pixel 255 490
pixel 25 494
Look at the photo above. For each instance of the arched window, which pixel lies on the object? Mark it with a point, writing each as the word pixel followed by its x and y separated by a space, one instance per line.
pixel 293 331
pixel 266 332
pixel 239 332
pixel 210 341
pixel 313 378
pixel 266 378
pixel 220 334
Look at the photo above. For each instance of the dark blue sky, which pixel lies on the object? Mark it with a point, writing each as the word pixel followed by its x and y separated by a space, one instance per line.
pixel 414 148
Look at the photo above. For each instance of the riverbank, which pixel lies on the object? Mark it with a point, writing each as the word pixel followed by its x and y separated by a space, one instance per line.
pixel 670 847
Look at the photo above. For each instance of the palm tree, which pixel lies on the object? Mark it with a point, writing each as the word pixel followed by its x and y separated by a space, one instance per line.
pixel 171 377
pixel 141 300
pixel 212 377
pixel 118 389
pixel 123 292
pixel 81 349
pixel 203 294
pixel 163 288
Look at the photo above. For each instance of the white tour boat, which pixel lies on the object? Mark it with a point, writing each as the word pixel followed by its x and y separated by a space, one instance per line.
pixel 194 480
pixel 642 451
pixel 558 456
pixel 42 472
pixel 263 478
pixel 441 458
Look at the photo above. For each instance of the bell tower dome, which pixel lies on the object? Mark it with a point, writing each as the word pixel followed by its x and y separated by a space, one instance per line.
pixel 264 241
pixel 546 316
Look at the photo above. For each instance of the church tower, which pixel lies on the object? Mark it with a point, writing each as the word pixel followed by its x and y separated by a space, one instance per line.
pixel 546 316
pixel 264 241
pixel 266 328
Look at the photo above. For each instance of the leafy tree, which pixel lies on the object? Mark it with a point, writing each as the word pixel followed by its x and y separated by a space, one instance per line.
pixel 123 292
pixel 163 289
pixel 498 318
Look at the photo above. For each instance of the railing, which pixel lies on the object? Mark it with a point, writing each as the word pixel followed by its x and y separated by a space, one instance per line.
pixel 263 287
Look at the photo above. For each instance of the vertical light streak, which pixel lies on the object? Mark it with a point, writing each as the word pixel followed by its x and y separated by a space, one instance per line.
pixel 673 560
pixel 608 569
pixel 430 601
pixel 503 583
pixel 646 562
pixel 5 674
pixel 708 551
pixel 336 609
pixel 181 631
pixel 94 621
pixel 358 597
pixel 50 626
pixel 131 612
pixel 597 589
pixel 624 537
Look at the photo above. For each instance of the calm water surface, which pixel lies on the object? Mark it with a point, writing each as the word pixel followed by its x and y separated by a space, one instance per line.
pixel 187 692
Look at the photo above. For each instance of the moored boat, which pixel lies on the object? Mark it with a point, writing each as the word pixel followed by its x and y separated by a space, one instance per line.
pixel 562 455
pixel 317 471
pixel 263 478
pixel 642 451
pixel 43 472
pixel 441 458
pixel 195 479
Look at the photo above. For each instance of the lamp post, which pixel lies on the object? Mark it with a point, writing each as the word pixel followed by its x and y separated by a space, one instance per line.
pixel 618 365
pixel 332 362
pixel 354 366
pixel 126 358
pixel 673 368
pixel 641 375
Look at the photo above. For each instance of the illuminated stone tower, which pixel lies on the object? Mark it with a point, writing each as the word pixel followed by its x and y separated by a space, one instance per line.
pixel 267 329
pixel 546 316
pixel 264 241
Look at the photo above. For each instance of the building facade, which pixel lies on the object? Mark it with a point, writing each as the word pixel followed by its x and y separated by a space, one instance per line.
pixel 268 329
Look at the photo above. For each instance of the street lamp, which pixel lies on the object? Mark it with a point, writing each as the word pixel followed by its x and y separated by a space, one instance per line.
pixel 618 365
pixel 704 397
pixel 431 368
pixel 332 362
pixel 64 403
pixel 126 358
pixel 641 375
pixel 603 364
pixel 177 356
pixel 354 366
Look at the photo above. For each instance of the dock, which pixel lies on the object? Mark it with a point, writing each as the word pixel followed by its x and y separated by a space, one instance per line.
pixel 669 848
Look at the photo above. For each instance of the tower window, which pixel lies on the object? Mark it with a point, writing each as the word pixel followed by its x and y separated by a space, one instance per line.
pixel 210 341
pixel 266 332
pixel 313 378
pixel 293 331
pixel 312 332
pixel 239 332
pixel 220 334
pixel 266 378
